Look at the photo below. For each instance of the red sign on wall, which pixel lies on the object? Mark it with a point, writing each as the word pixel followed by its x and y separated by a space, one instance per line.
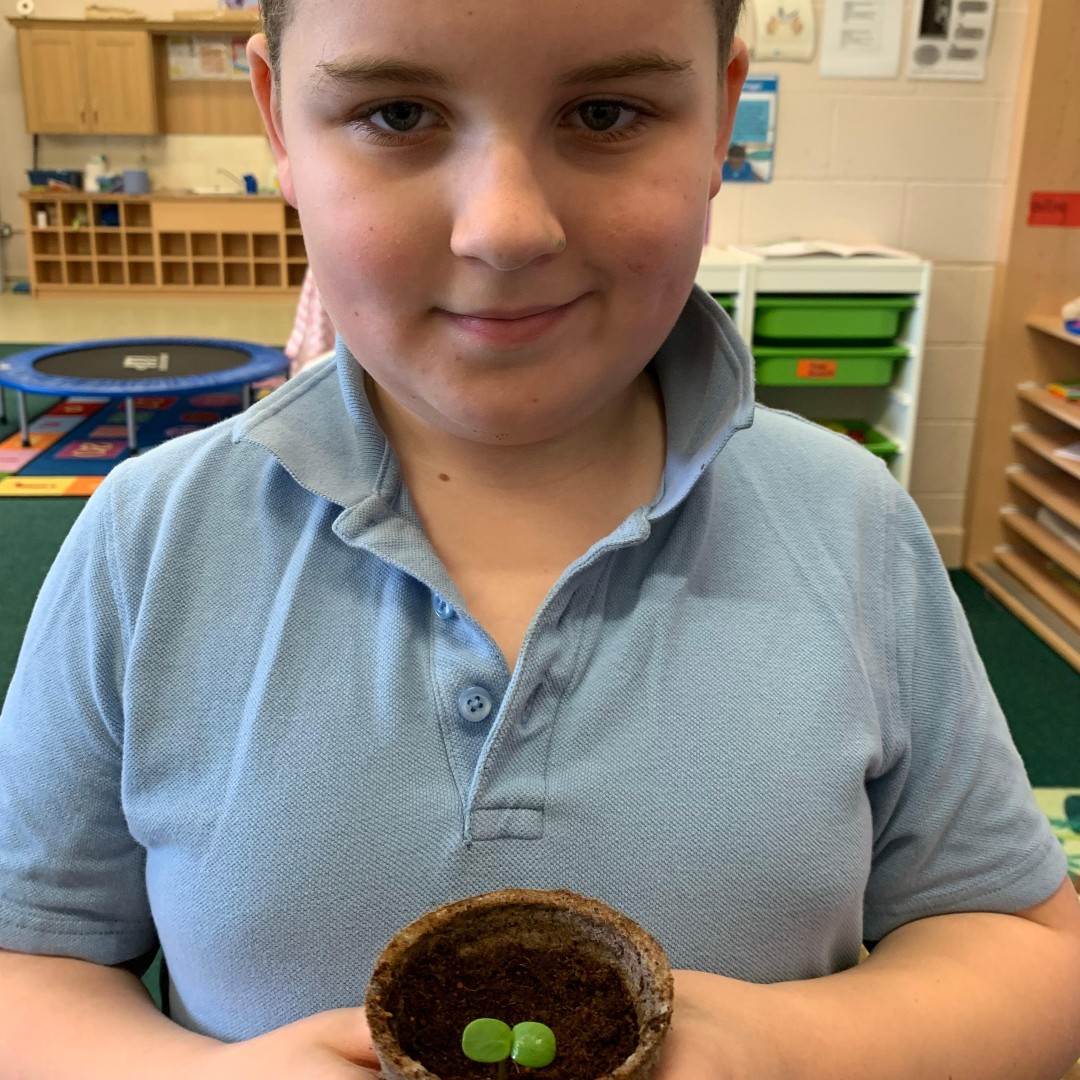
pixel 1056 209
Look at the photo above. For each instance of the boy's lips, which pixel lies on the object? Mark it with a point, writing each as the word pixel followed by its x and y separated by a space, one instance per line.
pixel 506 326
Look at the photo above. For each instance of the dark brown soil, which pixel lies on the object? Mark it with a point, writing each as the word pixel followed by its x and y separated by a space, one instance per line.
pixel 581 999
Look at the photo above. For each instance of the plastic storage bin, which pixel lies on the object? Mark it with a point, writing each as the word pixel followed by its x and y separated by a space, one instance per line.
pixel 725 301
pixel 865 435
pixel 39 178
pixel 830 318
pixel 850 366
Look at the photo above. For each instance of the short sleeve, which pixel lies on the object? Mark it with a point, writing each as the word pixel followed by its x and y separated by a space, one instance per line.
pixel 71 876
pixel 956 825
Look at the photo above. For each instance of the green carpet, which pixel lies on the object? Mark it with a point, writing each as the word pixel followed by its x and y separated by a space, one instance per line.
pixel 1038 690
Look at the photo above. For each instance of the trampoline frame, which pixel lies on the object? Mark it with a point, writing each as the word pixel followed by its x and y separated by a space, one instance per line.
pixel 18 372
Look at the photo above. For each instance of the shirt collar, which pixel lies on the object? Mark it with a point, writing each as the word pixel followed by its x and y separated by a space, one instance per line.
pixel 323 432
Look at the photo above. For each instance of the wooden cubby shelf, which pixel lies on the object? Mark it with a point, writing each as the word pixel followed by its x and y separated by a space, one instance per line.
pixel 172 242
pixel 1015 469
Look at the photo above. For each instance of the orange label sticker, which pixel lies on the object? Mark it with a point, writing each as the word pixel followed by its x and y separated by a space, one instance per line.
pixel 1055 209
pixel 815 369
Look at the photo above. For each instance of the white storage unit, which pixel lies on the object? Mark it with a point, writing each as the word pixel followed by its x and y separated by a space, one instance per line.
pixel 892 408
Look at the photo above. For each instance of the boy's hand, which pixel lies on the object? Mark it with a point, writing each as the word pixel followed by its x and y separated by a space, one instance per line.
pixel 703 1046
pixel 334 1045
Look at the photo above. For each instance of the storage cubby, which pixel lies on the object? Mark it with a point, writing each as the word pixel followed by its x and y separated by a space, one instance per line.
pixel 74 215
pixel 266 246
pixel 110 272
pixel 105 215
pixel 138 245
pixel 206 274
pixel 77 242
pixel 838 341
pixel 267 275
pixel 135 215
pixel 108 243
pixel 204 244
pixel 141 272
pixel 171 242
pixel 174 273
pixel 237 274
pixel 49 271
pixel 45 243
pixel 292 218
pixel 79 273
pixel 236 245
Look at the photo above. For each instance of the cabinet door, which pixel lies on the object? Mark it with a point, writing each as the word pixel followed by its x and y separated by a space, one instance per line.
pixel 120 78
pixel 53 81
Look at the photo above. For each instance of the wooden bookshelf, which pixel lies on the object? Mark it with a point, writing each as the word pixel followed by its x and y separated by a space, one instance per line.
pixel 167 242
pixel 1014 467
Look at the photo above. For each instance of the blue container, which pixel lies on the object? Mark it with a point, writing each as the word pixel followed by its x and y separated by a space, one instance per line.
pixel 41 177
pixel 136 182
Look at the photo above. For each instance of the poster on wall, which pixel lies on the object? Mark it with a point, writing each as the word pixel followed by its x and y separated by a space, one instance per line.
pixel 784 31
pixel 950 39
pixel 753 141
pixel 862 39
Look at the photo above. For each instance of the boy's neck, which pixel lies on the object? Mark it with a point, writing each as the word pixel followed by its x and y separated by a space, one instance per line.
pixel 626 439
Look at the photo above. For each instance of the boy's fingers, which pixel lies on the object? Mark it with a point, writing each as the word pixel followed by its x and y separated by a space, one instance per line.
pixel 346 1032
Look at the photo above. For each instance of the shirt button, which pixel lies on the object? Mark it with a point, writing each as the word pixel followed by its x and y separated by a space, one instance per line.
pixel 443 609
pixel 474 704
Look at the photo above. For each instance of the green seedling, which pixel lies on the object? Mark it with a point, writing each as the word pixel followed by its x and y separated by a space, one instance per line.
pixel 493 1042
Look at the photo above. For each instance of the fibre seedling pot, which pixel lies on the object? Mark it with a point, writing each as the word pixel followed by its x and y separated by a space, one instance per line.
pixel 591 974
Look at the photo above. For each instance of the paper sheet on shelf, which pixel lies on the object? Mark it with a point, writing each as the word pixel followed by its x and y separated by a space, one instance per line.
pixel 797 249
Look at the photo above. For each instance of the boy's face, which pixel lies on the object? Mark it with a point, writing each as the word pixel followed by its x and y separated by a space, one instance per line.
pixel 503 202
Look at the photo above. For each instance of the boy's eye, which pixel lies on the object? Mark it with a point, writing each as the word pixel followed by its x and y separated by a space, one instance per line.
pixel 604 116
pixel 399 117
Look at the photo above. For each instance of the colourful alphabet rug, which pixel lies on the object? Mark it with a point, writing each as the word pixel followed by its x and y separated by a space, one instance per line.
pixel 75 443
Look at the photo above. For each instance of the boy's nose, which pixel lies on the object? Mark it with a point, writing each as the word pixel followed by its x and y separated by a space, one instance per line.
pixel 503 216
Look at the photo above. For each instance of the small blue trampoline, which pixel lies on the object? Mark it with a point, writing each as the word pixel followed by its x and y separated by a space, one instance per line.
pixel 134 367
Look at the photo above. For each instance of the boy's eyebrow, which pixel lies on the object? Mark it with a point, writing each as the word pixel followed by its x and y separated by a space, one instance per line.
pixel 383 69
pixel 628 66
pixel 389 69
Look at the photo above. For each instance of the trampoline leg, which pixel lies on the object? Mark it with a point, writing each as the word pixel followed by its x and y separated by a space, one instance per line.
pixel 129 409
pixel 24 422
pixel 246 393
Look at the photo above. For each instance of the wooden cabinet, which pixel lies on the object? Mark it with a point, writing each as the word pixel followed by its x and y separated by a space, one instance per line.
pixel 243 245
pixel 87 82
pixel 1017 473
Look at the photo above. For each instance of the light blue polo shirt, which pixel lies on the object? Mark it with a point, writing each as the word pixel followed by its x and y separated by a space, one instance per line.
pixel 254 720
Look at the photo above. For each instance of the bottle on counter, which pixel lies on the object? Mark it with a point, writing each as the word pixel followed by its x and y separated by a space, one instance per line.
pixel 96 167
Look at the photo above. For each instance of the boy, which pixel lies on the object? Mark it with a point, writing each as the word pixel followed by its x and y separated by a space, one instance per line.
pixel 519 591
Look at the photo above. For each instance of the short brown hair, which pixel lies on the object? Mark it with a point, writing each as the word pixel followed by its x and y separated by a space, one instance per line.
pixel 276 13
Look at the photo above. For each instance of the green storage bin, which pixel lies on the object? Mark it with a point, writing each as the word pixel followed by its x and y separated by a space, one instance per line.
pixel 848 366
pixel 861 432
pixel 830 318
pixel 726 302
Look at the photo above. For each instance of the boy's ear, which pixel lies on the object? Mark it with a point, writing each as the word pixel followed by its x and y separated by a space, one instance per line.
pixel 266 97
pixel 733 77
